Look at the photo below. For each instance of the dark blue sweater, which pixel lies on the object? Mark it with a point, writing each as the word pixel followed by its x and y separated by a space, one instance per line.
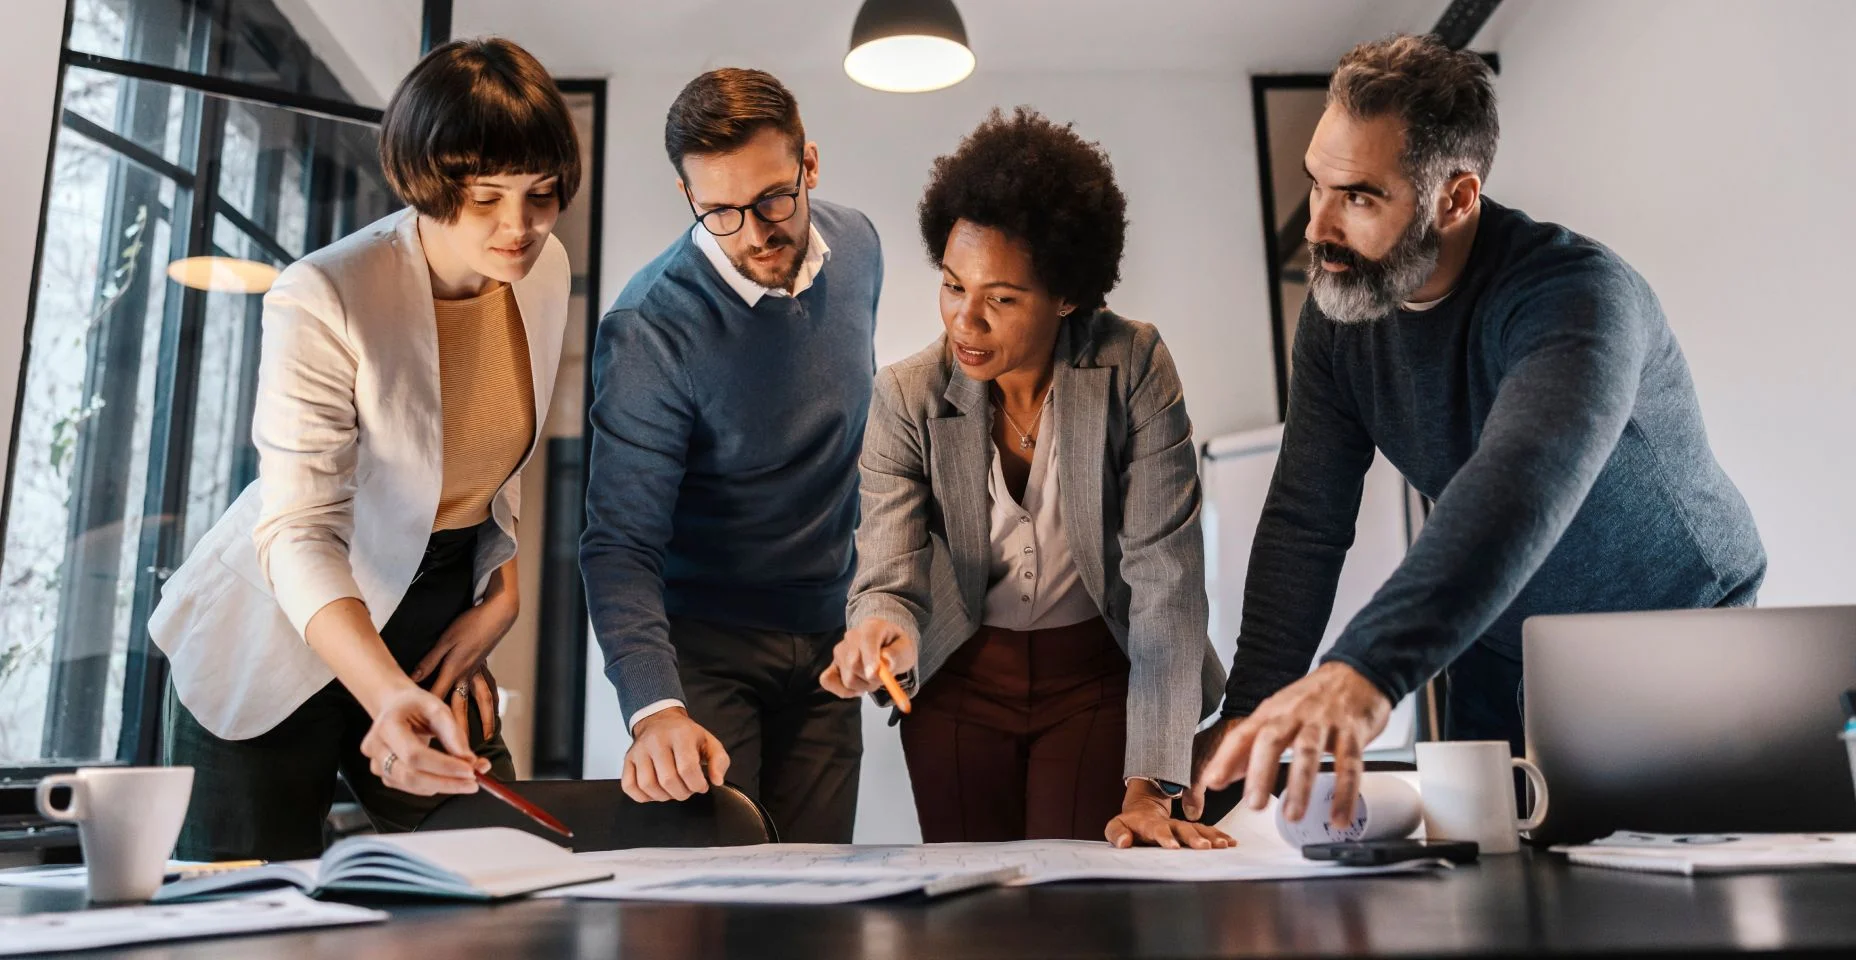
pixel 723 480
pixel 1548 411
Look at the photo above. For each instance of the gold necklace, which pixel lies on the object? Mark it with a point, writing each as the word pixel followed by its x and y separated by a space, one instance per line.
pixel 1025 440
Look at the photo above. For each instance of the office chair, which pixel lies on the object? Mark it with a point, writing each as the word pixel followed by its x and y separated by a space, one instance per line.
pixel 602 817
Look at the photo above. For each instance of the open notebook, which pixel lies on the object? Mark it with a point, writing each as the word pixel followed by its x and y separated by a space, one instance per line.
pixel 490 863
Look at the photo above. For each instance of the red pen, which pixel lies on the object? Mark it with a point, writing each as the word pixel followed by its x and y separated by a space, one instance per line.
pixel 500 790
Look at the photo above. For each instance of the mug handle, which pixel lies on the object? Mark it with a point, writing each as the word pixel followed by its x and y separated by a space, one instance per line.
pixel 1539 782
pixel 71 814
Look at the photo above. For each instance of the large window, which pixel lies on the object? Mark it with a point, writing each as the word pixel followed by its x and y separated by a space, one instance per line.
pixel 188 128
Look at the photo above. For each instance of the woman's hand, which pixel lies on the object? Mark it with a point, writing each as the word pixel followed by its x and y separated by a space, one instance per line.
pixel 480 686
pixel 398 746
pixel 1145 821
pixel 854 661
pixel 455 663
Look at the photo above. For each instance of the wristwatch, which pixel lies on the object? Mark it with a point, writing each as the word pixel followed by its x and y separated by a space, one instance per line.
pixel 1167 788
pixel 904 680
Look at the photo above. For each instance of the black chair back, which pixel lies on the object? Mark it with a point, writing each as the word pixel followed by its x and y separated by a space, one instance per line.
pixel 602 817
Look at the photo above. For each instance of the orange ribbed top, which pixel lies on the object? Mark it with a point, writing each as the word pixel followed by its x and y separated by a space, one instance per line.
pixel 489 399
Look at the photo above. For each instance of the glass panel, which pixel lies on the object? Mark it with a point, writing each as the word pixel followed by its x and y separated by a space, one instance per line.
pixel 157 32
pixel 104 346
pixel 222 460
pixel 68 572
pixel 292 204
pixel 299 180
pixel 238 158
pixel 295 52
pixel 150 115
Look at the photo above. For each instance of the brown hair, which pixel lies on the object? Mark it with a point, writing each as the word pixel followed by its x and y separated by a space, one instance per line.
pixel 720 111
pixel 475 108
pixel 1443 97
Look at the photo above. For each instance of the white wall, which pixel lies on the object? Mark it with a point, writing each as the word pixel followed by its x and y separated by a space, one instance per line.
pixel 1182 148
pixel 1711 145
pixel 1183 152
pixel 29 48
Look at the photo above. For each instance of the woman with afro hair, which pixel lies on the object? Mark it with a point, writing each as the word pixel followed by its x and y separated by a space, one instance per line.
pixel 1029 560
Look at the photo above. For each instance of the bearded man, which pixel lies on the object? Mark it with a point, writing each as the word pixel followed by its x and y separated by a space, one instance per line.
pixel 1522 377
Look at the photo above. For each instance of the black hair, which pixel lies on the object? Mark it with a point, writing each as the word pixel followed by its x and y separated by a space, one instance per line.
pixel 1039 182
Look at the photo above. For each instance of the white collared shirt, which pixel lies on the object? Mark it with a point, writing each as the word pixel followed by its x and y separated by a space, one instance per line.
pixel 1424 306
pixel 751 292
pixel 1032 581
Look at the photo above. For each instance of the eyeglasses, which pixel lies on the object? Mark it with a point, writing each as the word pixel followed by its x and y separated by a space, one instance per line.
pixel 722 221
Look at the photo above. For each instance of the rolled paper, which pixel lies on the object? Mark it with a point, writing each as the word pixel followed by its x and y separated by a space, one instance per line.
pixel 1386 809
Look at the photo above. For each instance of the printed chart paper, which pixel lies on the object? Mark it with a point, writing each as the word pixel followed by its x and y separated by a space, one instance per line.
pixel 810 873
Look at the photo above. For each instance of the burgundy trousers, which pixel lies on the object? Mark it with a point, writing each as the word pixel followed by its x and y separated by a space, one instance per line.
pixel 1020 736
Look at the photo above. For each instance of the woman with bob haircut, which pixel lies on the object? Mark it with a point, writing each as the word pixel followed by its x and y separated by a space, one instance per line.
pixel 338 617
pixel 1030 554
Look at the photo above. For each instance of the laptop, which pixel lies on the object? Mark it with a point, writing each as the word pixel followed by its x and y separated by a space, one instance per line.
pixel 1691 721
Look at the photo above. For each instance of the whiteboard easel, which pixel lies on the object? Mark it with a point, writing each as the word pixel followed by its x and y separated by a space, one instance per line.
pixel 1236 471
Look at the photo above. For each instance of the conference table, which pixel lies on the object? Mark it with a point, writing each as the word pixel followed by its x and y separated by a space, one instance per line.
pixel 1526 904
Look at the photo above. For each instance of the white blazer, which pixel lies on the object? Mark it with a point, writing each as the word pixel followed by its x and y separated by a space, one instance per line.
pixel 349 429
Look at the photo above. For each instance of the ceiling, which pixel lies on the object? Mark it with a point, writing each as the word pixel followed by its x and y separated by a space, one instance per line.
pixel 601 37
pixel 371 43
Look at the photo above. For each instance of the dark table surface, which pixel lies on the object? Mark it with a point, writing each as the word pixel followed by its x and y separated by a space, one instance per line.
pixel 1526 904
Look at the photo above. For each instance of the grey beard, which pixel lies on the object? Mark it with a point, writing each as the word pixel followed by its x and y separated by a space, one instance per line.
pixel 1372 289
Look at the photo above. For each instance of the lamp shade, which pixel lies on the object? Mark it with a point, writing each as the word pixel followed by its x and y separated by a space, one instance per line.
pixel 908 46
pixel 223 274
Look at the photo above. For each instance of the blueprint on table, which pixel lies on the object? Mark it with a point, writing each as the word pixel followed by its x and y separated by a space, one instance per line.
pixel 1261 854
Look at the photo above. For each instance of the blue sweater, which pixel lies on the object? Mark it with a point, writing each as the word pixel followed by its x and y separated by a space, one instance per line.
pixel 723 479
pixel 1546 408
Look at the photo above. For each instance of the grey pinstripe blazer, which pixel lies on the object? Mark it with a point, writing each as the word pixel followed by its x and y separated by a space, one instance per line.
pixel 1130 507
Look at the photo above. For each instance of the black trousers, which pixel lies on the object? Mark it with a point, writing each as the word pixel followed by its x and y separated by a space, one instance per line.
pixel 1483 698
pixel 791 745
pixel 267 797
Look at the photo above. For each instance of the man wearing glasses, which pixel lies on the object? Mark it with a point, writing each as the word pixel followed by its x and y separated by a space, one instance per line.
pixel 731 382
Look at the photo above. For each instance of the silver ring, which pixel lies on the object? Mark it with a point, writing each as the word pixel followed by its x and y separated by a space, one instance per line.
pixel 461 689
pixel 386 769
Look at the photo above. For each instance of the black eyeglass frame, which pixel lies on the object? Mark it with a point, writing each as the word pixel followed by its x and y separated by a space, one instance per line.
pixel 742 211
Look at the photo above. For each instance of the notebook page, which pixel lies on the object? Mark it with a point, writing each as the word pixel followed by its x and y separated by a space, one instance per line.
pixel 492 861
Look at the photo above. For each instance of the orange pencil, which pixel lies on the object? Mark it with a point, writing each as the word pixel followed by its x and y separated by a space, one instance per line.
pixel 889 683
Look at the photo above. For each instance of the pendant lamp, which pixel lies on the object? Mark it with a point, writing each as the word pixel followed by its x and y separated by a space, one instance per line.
pixel 223 274
pixel 908 46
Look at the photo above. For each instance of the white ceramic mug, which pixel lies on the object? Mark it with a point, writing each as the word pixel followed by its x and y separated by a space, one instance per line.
pixel 128 819
pixel 1386 809
pixel 1468 790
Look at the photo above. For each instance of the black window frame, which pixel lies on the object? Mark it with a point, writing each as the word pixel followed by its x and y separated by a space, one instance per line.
pixel 71 739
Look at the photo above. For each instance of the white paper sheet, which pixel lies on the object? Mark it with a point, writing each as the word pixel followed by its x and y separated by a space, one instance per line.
pixel 1691 854
pixel 703 884
pixel 66 876
pixel 81 930
pixel 1261 854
